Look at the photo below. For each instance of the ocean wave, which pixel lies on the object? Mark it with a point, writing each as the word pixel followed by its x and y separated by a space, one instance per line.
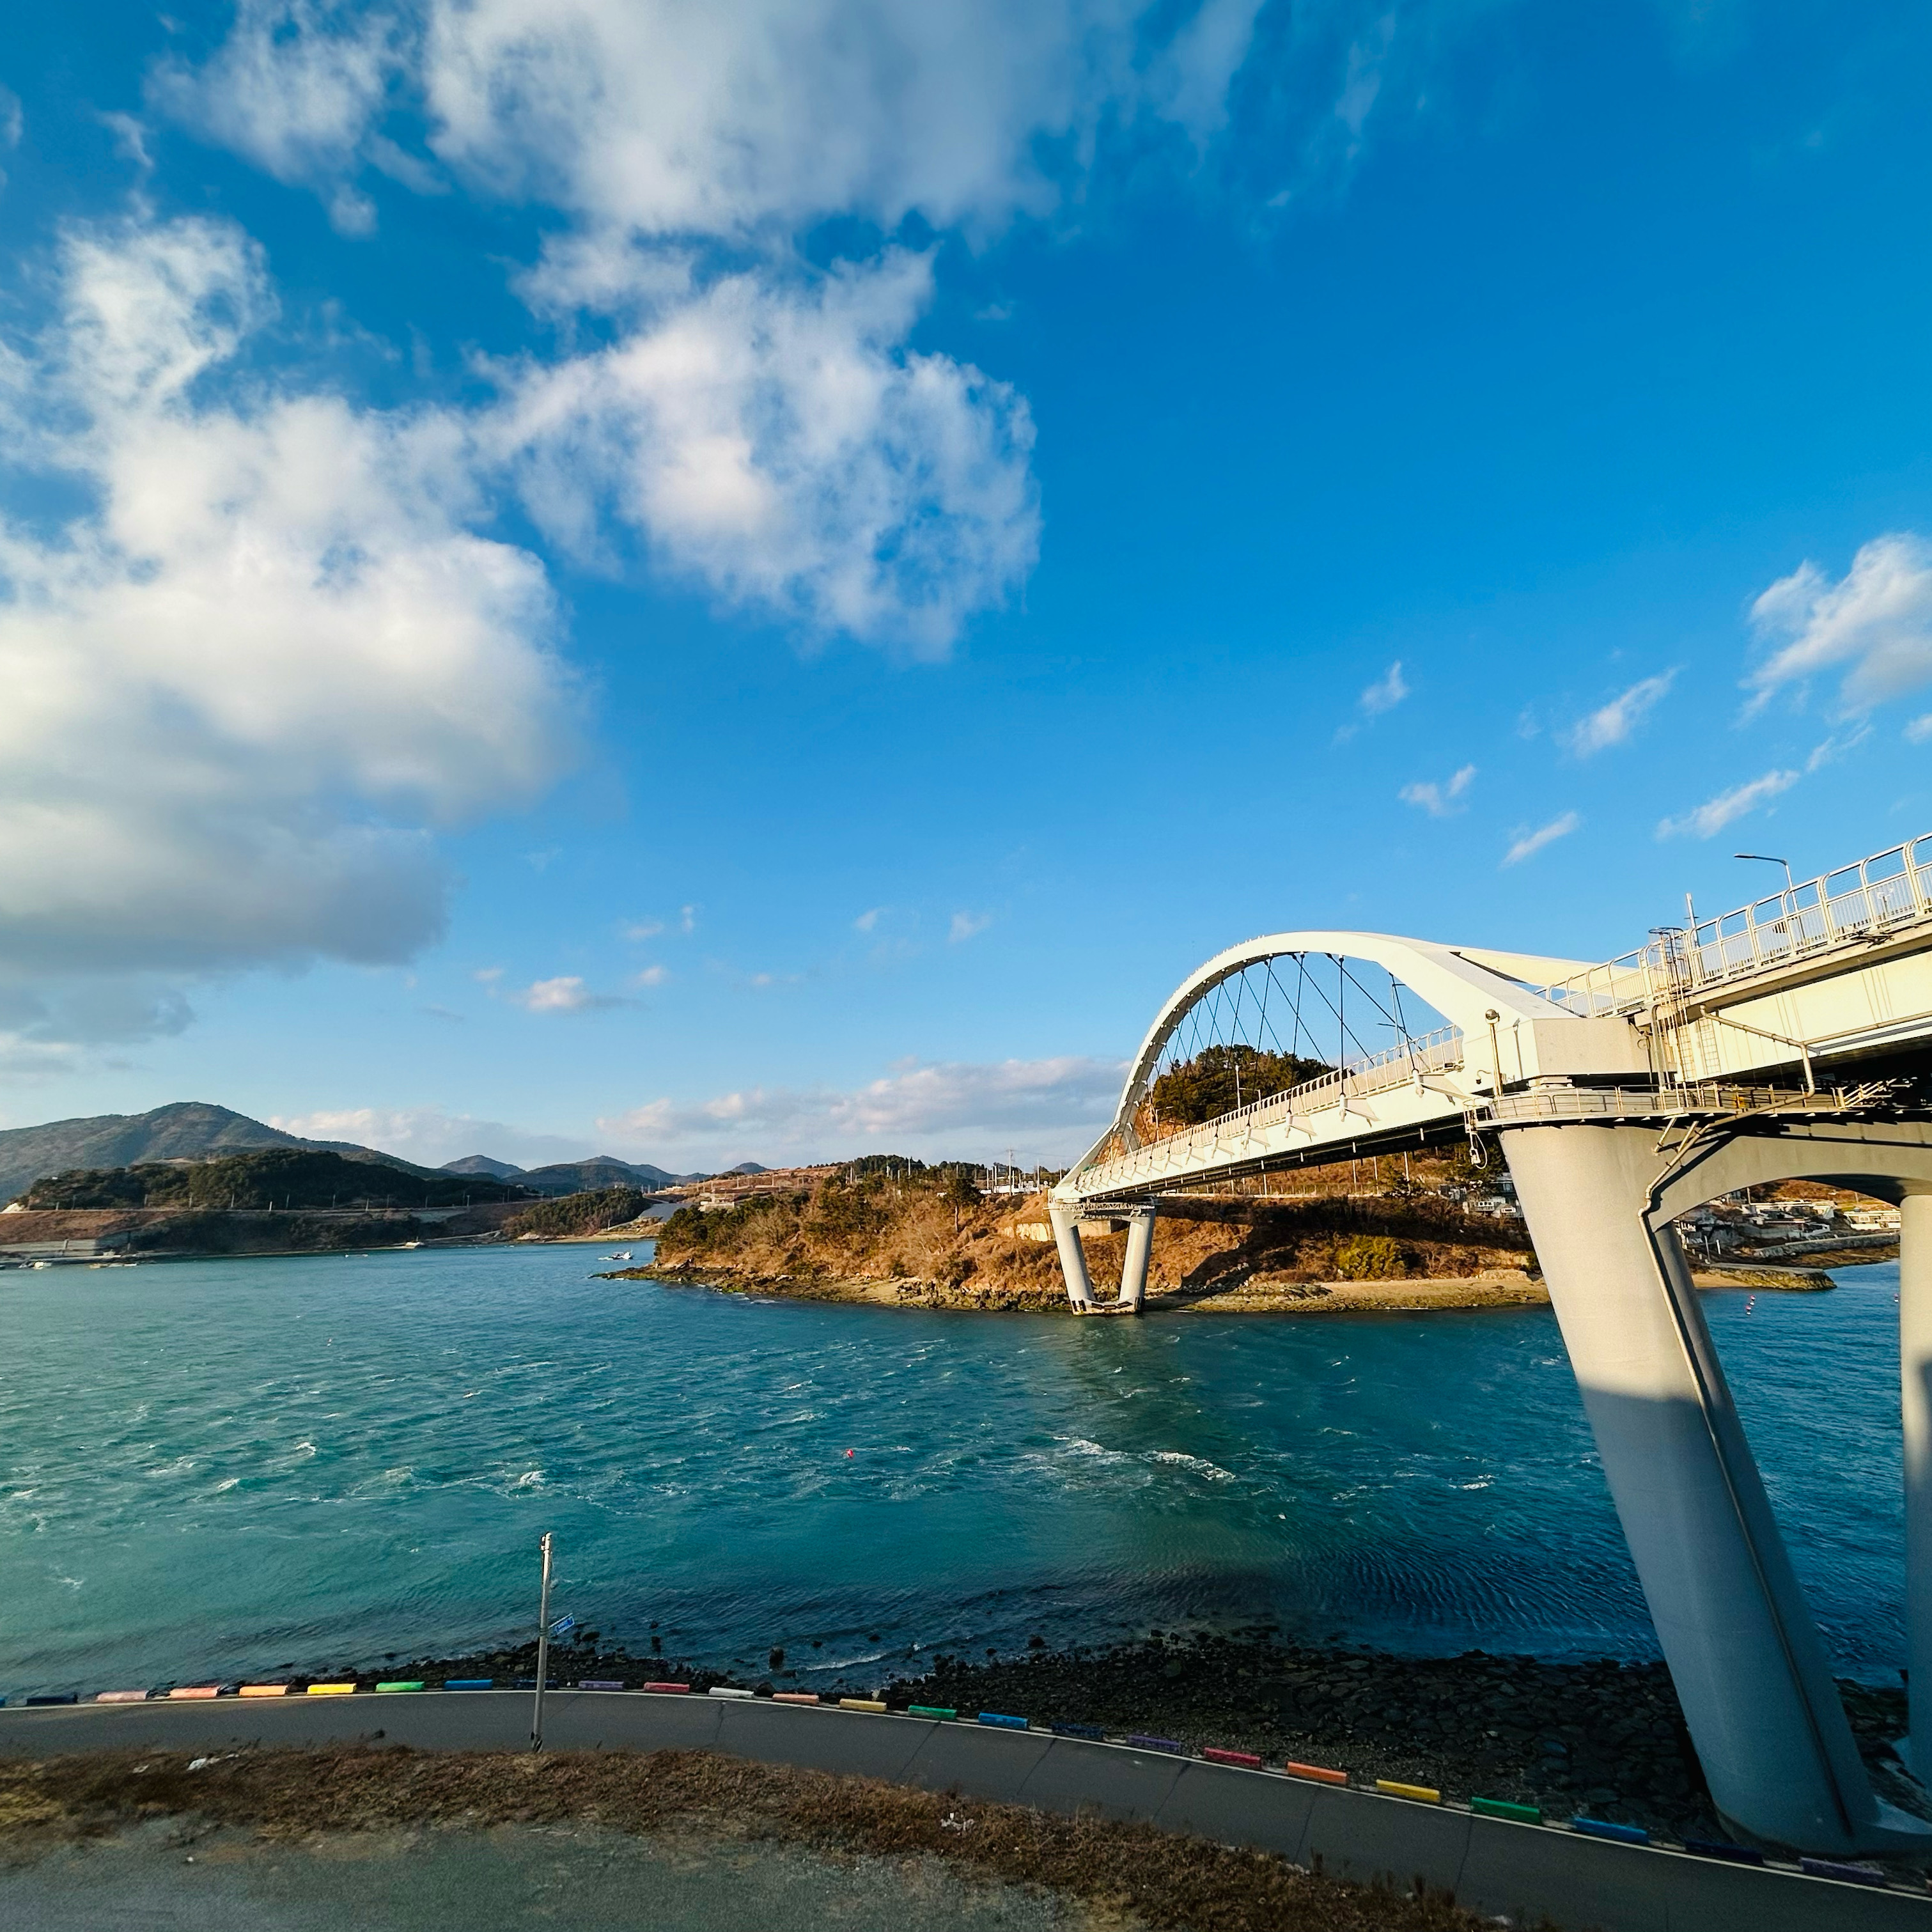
pixel 1212 1471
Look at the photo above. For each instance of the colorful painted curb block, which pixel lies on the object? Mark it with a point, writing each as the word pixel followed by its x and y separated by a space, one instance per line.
pixel 1423 1794
pixel 861 1704
pixel 1848 1874
pixel 1722 1848
pixel 1502 1808
pixel 1597 1828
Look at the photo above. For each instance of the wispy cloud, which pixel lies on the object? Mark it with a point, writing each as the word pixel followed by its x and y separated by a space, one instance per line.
pixel 651 975
pixel 867 920
pixel 1614 721
pixel 642 928
pixel 1876 620
pixel 1045 1107
pixel 430 1135
pixel 967 925
pixel 1714 815
pixel 1438 800
pixel 565 993
pixel 1919 729
pixel 1528 843
pixel 1386 693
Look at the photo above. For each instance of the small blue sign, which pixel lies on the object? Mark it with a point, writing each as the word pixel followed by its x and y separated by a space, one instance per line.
pixel 563 1626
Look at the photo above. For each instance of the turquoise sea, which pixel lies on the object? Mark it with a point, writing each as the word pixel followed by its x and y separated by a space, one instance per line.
pixel 234 1467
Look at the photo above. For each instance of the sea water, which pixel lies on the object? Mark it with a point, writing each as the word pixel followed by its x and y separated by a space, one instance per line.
pixel 231 1467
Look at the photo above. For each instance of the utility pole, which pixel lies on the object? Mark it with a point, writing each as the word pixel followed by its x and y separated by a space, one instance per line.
pixel 543 1649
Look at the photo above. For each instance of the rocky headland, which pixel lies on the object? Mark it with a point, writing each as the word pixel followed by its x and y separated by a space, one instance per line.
pixel 925 1238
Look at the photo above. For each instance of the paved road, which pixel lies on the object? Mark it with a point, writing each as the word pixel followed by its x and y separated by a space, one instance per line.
pixel 1523 1870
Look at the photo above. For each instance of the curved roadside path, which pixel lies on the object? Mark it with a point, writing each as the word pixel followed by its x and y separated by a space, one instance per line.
pixel 1491 1864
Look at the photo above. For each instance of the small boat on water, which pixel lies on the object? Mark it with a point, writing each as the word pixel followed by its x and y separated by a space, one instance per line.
pixel 621 1255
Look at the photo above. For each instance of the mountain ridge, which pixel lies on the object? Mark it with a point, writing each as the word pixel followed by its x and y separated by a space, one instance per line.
pixel 202 1130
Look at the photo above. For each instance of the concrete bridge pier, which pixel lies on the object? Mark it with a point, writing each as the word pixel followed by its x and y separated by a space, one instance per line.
pixel 1132 1300
pixel 1915 1376
pixel 1744 1652
pixel 1140 1252
pixel 1065 1221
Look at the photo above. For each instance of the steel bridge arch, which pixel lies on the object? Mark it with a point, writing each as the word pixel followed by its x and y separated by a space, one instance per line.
pixel 1466 985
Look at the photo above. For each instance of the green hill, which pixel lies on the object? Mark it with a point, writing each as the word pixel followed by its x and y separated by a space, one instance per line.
pixel 283 1177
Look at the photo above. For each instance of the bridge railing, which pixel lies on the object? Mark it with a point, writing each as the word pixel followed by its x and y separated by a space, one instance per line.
pixel 1855 903
pixel 1373 1073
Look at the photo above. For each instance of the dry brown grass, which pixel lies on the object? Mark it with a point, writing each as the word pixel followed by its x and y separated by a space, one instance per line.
pixel 1161 1879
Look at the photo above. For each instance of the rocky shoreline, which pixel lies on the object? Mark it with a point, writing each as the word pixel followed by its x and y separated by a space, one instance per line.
pixel 1251 1294
pixel 1601 1737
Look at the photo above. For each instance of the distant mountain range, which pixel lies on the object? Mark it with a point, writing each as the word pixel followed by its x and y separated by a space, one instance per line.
pixel 579 1177
pixel 197 1130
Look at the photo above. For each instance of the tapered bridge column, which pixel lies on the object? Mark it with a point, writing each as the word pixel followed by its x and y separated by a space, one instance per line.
pixel 1065 1221
pixel 1140 1251
pixel 1915 1373
pixel 1744 1654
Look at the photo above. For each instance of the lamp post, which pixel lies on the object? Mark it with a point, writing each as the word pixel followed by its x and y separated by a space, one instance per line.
pixel 543 1649
pixel 1765 859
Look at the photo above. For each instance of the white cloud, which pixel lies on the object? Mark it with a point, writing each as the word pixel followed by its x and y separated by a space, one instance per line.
pixel 666 118
pixel 967 925
pixel 642 928
pixel 1386 693
pixel 1046 1106
pixel 1715 814
pixel 1438 800
pixel 1528 843
pixel 295 86
pixel 758 426
pixel 867 920
pixel 566 994
pixel 193 776
pixel 430 1135
pixel 1616 721
pixel 770 436
pixel 651 975
pixel 1919 729
pixel 1876 620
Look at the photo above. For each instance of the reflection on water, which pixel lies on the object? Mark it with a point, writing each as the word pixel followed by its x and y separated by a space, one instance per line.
pixel 245 1465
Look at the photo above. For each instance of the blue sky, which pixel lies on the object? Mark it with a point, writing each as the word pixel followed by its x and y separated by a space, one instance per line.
pixel 760 581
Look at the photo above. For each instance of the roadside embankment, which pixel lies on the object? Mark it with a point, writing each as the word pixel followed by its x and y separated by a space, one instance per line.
pixel 1598 1735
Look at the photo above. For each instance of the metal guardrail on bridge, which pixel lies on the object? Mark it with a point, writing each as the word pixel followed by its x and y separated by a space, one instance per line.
pixel 1854 905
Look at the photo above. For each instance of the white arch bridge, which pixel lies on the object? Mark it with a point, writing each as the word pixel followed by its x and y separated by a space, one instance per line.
pixel 1788 1039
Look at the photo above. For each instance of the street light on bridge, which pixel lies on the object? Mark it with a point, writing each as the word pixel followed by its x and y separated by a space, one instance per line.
pixel 1765 859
